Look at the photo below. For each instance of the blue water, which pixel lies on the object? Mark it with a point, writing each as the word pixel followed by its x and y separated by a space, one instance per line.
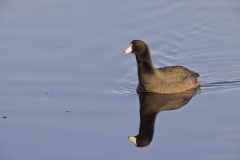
pixel 67 92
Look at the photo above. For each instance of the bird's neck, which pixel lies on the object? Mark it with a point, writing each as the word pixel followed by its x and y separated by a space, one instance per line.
pixel 144 62
pixel 145 65
pixel 147 125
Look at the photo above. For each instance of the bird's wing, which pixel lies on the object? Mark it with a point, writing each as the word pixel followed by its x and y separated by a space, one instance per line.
pixel 177 73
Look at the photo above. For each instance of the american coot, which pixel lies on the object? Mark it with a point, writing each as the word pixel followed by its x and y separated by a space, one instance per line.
pixel 153 103
pixel 160 80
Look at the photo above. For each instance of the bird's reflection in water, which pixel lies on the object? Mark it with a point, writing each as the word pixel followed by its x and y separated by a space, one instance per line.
pixel 153 103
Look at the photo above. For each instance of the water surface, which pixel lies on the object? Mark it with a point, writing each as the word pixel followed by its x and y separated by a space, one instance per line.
pixel 68 93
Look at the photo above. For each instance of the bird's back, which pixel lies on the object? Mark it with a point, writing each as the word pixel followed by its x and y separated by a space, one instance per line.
pixel 177 73
pixel 168 80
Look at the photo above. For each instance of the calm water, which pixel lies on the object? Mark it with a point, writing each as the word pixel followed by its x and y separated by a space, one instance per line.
pixel 67 92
